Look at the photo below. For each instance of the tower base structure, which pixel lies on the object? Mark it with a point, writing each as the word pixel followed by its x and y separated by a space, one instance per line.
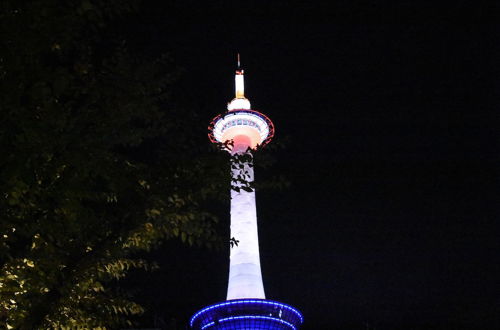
pixel 247 314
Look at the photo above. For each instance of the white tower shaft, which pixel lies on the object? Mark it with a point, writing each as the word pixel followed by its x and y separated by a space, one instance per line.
pixel 245 277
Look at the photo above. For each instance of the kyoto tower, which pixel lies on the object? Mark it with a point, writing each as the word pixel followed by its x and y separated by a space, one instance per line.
pixel 246 306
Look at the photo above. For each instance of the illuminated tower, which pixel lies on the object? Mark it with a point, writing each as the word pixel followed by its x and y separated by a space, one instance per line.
pixel 246 306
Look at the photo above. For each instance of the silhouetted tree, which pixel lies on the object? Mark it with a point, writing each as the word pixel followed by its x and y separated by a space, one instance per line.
pixel 96 164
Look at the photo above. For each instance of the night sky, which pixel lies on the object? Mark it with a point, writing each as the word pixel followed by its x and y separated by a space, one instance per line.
pixel 385 113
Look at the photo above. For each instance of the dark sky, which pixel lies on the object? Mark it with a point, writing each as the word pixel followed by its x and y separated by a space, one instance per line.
pixel 391 218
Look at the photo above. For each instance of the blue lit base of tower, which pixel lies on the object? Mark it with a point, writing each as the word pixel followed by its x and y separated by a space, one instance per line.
pixel 247 314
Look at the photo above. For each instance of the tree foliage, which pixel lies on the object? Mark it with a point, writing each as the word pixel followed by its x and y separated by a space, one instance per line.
pixel 97 164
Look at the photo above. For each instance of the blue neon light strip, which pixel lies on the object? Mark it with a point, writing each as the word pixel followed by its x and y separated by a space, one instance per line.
pixel 235 302
pixel 251 318
pixel 207 325
pixel 257 317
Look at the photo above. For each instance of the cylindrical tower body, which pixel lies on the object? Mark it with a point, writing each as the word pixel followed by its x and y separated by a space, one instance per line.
pixel 245 277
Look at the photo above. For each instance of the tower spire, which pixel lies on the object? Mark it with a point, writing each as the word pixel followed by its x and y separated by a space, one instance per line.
pixel 239 101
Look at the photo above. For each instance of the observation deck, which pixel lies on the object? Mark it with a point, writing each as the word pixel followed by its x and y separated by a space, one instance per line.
pixel 253 124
